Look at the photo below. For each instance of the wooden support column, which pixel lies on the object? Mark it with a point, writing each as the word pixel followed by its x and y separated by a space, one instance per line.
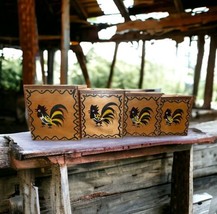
pixel 50 66
pixel 29 192
pixel 210 73
pixel 142 65
pixel 182 182
pixel 197 70
pixel 60 197
pixel 82 61
pixel 42 67
pixel 28 38
pixel 112 66
pixel 65 41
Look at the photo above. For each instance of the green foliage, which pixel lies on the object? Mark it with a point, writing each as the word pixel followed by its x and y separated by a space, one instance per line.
pixel 126 75
pixel 10 74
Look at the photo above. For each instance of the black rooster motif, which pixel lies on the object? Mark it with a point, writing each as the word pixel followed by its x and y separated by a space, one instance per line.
pixel 140 117
pixel 174 117
pixel 106 116
pixel 55 118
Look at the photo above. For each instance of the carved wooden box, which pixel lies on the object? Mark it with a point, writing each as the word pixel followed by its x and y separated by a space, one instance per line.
pixel 141 114
pixel 53 111
pixel 101 113
pixel 175 114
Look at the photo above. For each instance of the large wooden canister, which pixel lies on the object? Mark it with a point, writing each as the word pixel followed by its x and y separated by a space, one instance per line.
pixel 53 111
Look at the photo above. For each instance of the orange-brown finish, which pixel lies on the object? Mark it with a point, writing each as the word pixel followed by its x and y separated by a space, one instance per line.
pixel 53 112
pixel 141 114
pixel 175 114
pixel 102 113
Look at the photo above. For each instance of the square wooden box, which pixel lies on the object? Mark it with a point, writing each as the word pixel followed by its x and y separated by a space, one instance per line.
pixel 175 114
pixel 53 111
pixel 141 114
pixel 102 113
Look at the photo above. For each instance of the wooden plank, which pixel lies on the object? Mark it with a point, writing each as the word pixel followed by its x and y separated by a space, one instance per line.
pixel 71 159
pixel 4 153
pixel 182 183
pixel 182 22
pixel 29 191
pixel 59 192
pixel 25 148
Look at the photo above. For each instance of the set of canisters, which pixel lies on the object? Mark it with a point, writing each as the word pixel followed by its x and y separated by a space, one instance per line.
pixel 64 112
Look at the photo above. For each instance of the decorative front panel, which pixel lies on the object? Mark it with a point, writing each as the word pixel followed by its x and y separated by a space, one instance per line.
pixel 175 114
pixel 53 112
pixel 102 113
pixel 141 115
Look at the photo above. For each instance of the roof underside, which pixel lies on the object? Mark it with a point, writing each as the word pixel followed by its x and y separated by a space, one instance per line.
pixel 182 19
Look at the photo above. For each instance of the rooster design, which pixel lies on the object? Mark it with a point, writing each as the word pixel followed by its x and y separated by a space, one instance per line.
pixel 106 116
pixel 55 118
pixel 140 117
pixel 174 117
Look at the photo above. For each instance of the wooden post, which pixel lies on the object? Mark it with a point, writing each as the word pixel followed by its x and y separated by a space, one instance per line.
pixel 50 64
pixel 29 192
pixel 81 59
pixel 42 67
pixel 182 182
pixel 142 65
pixel 197 70
pixel 210 73
pixel 60 197
pixel 28 38
pixel 112 66
pixel 65 41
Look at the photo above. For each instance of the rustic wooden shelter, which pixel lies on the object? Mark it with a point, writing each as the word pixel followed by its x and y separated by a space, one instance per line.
pixel 143 175
pixel 35 26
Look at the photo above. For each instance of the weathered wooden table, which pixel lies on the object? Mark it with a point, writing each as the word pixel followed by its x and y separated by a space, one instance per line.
pixel 27 154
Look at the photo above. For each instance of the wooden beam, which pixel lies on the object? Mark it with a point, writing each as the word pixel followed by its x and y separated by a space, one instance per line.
pixel 65 41
pixel 80 9
pixel 178 5
pixel 142 65
pixel 210 73
pixel 50 63
pixel 28 38
pixel 174 22
pixel 59 192
pixel 197 70
pixel 123 10
pixel 112 66
pixel 182 182
pixel 82 61
pixel 29 191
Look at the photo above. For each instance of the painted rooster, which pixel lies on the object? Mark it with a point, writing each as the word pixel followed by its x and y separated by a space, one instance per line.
pixel 55 118
pixel 106 116
pixel 174 117
pixel 140 117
